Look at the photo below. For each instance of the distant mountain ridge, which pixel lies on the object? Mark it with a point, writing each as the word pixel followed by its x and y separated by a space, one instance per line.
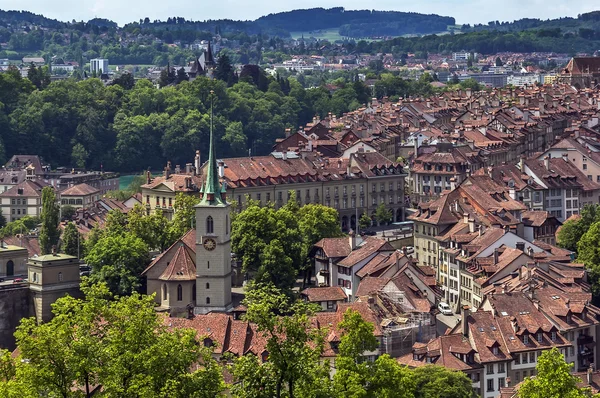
pixel 351 23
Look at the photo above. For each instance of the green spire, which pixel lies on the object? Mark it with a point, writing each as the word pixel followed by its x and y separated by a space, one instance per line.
pixel 212 188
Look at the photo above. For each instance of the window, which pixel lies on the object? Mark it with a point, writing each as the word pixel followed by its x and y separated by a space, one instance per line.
pixel 539 337
pixel 382 187
pixel 34 277
pixel 525 339
pixel 585 166
pixel 571 351
pixel 179 293
pixel 194 293
pixel 348 285
pixel 208 300
pixel 553 336
pixel 490 385
pixel 207 285
pixel 258 197
pixel 532 357
pixel 494 349
pixel 525 357
pixel 501 367
pixel 60 277
pixel 500 383
pixel 226 225
pixel 170 202
pixel 268 196
pixel 517 359
pixel 209 225
pixel 164 291
pixel 208 264
pixel 330 305
pixel 490 369
pixel 391 186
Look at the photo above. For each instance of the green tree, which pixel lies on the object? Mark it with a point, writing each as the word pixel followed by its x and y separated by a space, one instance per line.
pixel 119 343
pixel 382 215
pixel 438 382
pixel 118 260
pixel 293 347
pixel 553 379
pixel 71 240
pixel 2 220
pixel 355 375
pixel 153 228
pixel 184 216
pixel 571 231
pixel 364 221
pixel 79 155
pixel 67 212
pixel 49 233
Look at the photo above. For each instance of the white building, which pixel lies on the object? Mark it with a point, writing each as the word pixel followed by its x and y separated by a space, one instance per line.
pixel 99 65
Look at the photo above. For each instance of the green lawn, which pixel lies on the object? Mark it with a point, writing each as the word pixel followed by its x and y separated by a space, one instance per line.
pixel 323 34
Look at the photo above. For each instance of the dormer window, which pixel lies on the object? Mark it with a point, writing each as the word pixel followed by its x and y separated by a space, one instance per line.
pixel 540 336
pixel 569 318
pixel 495 350
pixel 553 336
pixel 525 339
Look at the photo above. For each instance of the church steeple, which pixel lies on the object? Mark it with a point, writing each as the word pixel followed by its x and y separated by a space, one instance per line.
pixel 211 190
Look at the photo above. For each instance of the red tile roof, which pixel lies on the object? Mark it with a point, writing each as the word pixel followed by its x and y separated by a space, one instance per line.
pixel 331 293
pixel 82 189
pixel 182 266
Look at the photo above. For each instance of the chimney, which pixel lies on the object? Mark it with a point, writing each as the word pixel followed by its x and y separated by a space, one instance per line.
pixel 565 157
pixel 480 230
pixel 465 324
pixel 590 373
pixel 221 169
pixel 496 256
pixel 148 177
pixel 471 225
pixel 466 218
pixel 284 155
pixel 188 182
pixel 529 251
pixel 547 162
pixel 310 145
pixel 521 246
pixel 197 163
pixel 352 239
pixel 188 168
pixel 177 169
pixel 167 172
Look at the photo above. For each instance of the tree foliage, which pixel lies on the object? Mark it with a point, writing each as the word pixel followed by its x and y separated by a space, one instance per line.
pixel 49 233
pixel 72 243
pixel 119 343
pixel 553 379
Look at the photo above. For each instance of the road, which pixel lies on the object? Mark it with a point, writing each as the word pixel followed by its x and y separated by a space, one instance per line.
pixel 446 321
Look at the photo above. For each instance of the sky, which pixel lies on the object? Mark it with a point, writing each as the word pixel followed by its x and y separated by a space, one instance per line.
pixel 464 11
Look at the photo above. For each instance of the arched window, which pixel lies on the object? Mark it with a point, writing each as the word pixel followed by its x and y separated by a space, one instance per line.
pixel 164 291
pixel 207 285
pixel 210 228
pixel 60 277
pixel 194 293
pixel 34 277
pixel 227 225
pixel 208 300
pixel 179 293
pixel 10 268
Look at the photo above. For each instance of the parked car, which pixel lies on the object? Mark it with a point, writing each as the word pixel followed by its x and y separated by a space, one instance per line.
pixel 410 250
pixel 444 308
pixel 17 280
pixel 369 232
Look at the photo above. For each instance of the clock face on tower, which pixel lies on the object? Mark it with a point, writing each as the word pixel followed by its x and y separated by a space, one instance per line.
pixel 209 244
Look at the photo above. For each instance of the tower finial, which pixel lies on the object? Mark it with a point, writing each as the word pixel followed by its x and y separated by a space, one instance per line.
pixel 212 190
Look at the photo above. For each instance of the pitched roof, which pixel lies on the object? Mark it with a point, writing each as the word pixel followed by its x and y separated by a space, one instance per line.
pixel 330 293
pixel 335 247
pixel 82 189
pixel 182 266
pixel 28 188
pixel 369 247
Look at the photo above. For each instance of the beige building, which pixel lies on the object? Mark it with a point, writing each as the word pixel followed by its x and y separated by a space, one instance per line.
pixel 79 196
pixel 13 260
pixel 352 185
pixel 50 277
pixel 24 199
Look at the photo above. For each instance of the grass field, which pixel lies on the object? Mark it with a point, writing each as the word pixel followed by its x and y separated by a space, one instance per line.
pixel 323 34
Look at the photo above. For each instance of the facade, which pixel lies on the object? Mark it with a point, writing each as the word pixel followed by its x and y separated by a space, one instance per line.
pixel 50 277
pixel 354 185
pixel 99 66
pixel 80 196
pixel 24 199
pixel 13 260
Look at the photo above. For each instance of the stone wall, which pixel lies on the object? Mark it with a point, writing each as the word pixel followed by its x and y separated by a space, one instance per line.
pixel 15 304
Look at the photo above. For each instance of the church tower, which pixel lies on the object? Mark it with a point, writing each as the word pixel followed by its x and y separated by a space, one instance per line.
pixel 213 246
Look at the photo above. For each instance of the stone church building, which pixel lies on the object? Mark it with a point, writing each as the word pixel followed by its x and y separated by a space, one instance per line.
pixel 196 271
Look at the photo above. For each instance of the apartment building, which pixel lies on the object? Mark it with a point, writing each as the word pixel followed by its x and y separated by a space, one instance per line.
pixel 353 186
pixel 24 199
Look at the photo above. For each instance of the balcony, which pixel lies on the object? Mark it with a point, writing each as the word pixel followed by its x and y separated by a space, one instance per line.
pixel 585 339
pixel 324 271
